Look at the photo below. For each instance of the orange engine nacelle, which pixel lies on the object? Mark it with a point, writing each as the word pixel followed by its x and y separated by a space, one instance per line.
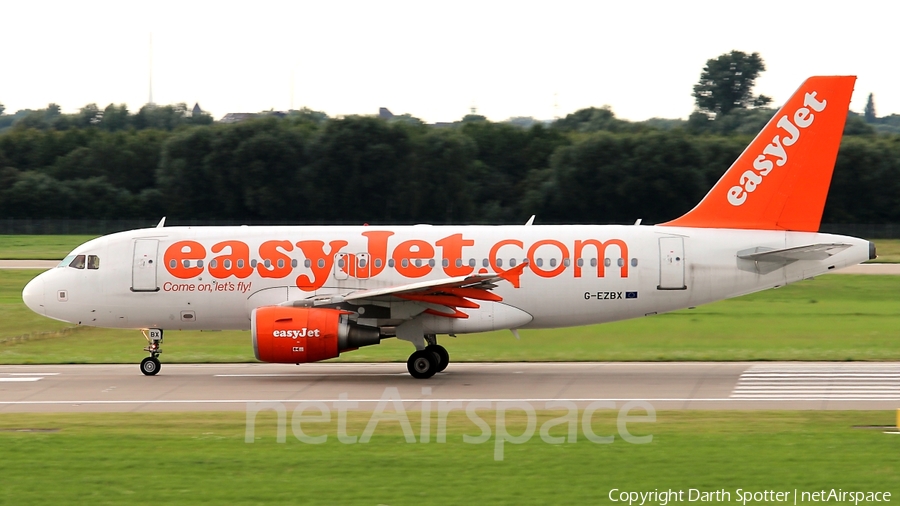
pixel 293 335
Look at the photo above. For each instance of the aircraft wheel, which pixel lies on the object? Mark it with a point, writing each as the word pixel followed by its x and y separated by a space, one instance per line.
pixel 442 355
pixel 150 366
pixel 422 364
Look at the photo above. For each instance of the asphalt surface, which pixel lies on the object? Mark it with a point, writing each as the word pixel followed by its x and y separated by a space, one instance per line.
pixel 701 385
pixel 28 264
pixel 218 387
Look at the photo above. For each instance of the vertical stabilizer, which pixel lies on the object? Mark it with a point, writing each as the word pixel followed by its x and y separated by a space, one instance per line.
pixel 780 182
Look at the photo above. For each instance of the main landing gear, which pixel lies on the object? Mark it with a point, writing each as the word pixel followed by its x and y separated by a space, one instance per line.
pixel 150 365
pixel 423 364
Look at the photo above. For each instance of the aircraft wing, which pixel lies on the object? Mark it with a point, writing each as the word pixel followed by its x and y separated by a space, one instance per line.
pixel 442 297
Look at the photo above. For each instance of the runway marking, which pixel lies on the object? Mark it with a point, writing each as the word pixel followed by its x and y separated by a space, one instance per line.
pixel 293 401
pixel 19 380
pixel 304 375
pixel 837 382
pixel 32 373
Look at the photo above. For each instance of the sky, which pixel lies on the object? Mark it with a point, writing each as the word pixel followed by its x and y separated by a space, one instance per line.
pixel 433 59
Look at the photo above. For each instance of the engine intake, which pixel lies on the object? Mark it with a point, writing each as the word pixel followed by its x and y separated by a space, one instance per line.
pixel 291 335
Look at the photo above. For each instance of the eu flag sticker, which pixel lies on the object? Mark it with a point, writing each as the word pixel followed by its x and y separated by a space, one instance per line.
pixel 630 295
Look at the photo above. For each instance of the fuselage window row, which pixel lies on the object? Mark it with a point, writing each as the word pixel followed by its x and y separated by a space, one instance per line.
pixel 93 262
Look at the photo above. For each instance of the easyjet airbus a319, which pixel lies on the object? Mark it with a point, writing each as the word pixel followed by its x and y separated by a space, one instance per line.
pixel 311 293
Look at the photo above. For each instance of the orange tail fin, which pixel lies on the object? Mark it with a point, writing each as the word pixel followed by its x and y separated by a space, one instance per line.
pixel 781 180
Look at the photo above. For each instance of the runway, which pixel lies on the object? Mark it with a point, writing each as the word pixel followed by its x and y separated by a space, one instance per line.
pixel 678 385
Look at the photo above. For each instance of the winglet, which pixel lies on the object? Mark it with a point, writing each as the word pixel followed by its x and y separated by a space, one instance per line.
pixel 530 221
pixel 162 223
pixel 781 180
pixel 512 275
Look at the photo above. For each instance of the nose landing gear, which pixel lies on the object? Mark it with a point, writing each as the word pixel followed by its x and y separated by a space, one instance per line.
pixel 150 366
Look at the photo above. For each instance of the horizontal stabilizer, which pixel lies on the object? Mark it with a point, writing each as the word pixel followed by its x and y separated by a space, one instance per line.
pixel 765 260
pixel 787 255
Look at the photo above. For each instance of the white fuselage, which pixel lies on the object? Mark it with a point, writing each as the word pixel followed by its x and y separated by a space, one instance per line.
pixel 176 277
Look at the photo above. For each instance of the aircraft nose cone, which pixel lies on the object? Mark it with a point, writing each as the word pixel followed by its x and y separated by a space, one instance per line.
pixel 33 295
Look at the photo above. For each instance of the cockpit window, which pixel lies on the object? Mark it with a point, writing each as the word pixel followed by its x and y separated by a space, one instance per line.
pixel 66 261
pixel 93 262
pixel 77 262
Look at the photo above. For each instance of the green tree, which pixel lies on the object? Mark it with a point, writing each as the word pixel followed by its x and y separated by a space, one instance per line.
pixel 442 188
pixel 869 113
pixel 857 125
pixel 609 178
pixel 592 119
pixel 359 171
pixel 88 115
pixel 115 118
pixel 726 83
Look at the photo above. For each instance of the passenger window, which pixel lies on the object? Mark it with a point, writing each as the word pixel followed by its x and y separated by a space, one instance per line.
pixel 552 262
pixel 607 262
pixel 93 262
pixel 499 262
pixel 512 262
pixel 634 262
pixel 78 262
pixel 620 262
pixel 567 262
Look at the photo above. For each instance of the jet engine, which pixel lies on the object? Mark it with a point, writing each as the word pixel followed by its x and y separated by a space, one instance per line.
pixel 292 335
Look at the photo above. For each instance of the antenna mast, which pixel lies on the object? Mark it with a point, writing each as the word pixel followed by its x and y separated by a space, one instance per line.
pixel 150 71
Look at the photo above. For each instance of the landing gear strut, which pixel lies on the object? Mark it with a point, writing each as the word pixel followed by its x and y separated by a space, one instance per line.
pixel 150 365
pixel 424 364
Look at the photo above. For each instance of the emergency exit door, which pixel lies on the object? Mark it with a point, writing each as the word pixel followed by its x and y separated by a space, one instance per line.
pixel 143 267
pixel 671 263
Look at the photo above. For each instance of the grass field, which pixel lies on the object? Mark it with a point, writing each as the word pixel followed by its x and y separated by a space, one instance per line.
pixel 55 247
pixel 888 251
pixel 833 317
pixel 39 247
pixel 201 458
